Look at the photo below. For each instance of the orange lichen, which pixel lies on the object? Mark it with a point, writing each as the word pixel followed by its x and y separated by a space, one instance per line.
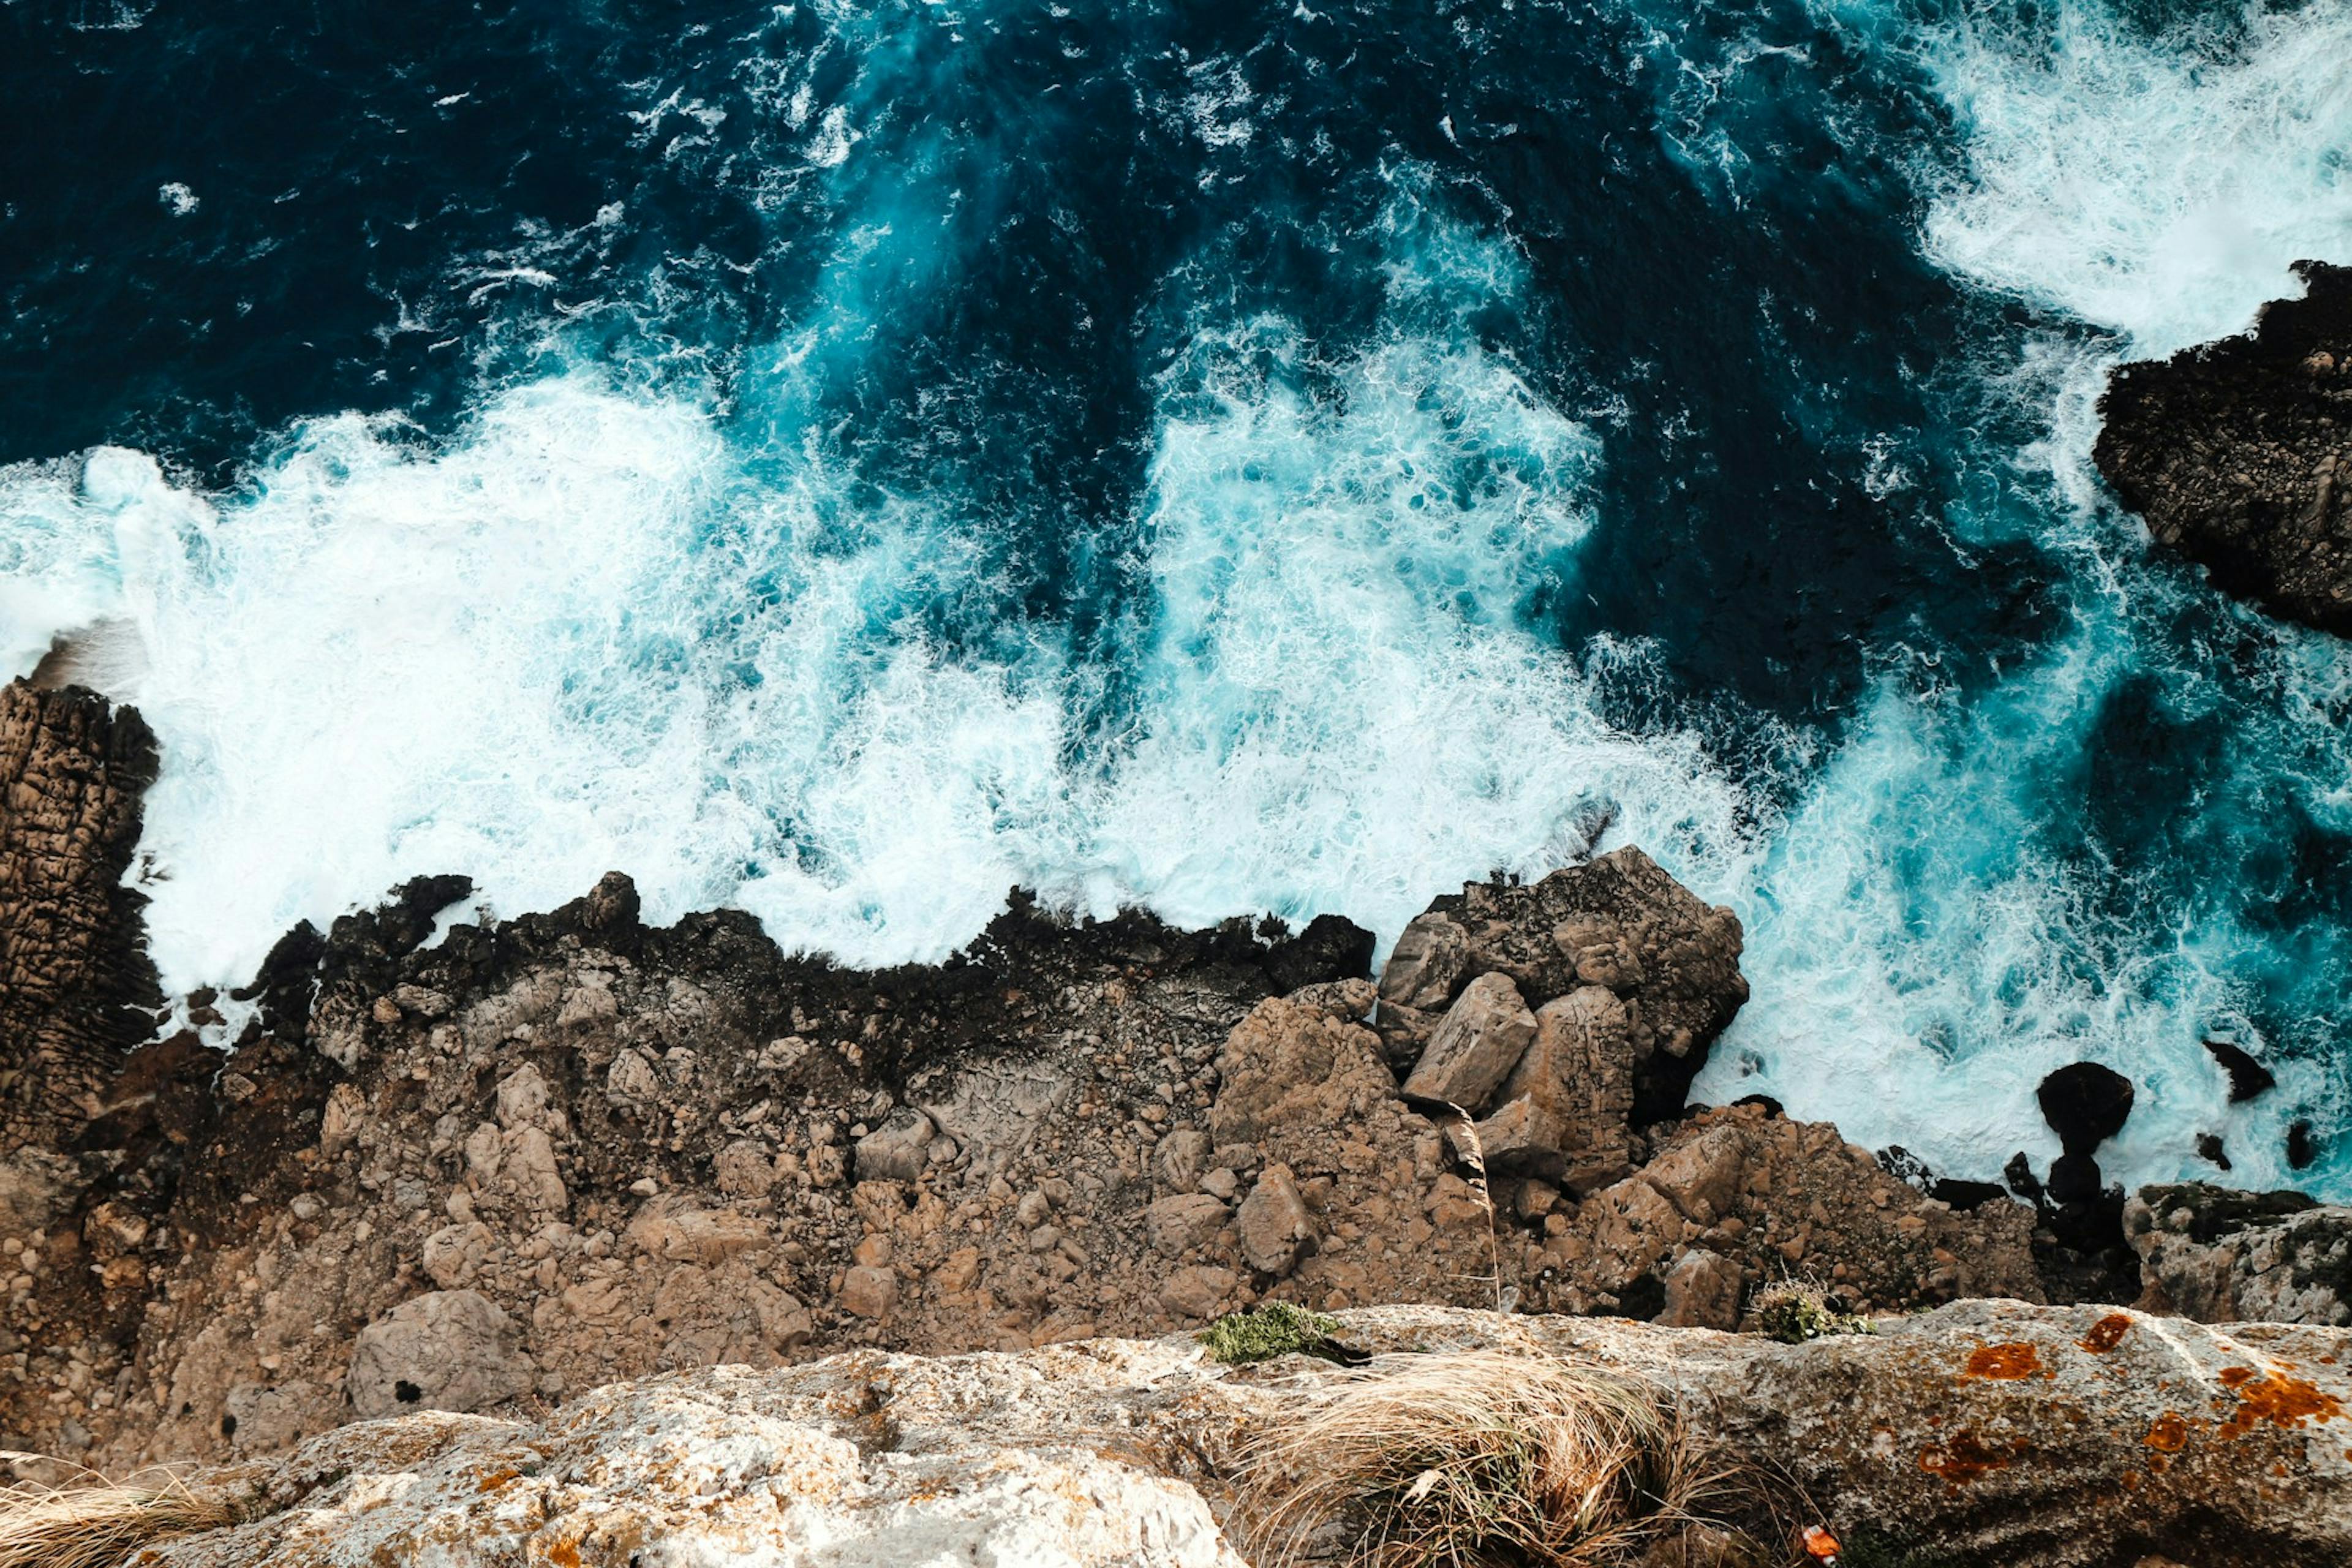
pixel 496 1478
pixel 2005 1364
pixel 1966 1457
pixel 2106 1334
pixel 2276 1397
pixel 2167 1434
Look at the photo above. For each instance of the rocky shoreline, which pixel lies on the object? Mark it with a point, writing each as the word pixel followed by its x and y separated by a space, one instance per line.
pixel 551 1153
pixel 2238 452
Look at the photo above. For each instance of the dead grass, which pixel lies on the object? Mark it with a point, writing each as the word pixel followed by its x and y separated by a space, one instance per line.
pixel 1478 1459
pixel 97 1523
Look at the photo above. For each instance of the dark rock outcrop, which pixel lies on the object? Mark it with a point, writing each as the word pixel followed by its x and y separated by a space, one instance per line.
pixel 75 991
pixel 2226 1257
pixel 2239 453
pixel 2248 1077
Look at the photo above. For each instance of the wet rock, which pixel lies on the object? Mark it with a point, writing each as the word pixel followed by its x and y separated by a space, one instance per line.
pixel 2238 452
pixel 1475 1046
pixel 2085 1104
pixel 1330 948
pixel 76 990
pixel 2248 1077
pixel 451 1349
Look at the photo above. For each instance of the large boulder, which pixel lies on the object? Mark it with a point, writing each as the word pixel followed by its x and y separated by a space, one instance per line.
pixel 2225 1255
pixel 450 1349
pixel 2239 453
pixel 1618 923
pixel 1990 1432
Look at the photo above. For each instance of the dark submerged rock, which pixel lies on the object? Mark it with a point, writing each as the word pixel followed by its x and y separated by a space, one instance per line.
pixel 2248 1077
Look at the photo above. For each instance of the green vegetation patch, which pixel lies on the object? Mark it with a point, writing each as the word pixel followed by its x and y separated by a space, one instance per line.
pixel 1793 1312
pixel 1267 1331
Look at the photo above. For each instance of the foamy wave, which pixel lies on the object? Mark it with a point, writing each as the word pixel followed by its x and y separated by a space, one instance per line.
pixel 590 632
pixel 2156 184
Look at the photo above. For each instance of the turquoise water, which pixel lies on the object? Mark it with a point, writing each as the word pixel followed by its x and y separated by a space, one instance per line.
pixel 844 462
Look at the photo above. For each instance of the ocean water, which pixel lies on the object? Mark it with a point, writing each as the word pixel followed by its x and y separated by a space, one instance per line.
pixel 844 461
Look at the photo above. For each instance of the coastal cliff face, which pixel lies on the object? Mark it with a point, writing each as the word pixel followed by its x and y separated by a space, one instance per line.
pixel 490 1172
pixel 72 977
pixel 1983 1433
pixel 544 1153
pixel 2239 453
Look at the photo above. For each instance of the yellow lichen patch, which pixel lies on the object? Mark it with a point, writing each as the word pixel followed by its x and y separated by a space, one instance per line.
pixel 2005 1364
pixel 2106 1334
pixel 2276 1397
pixel 2167 1434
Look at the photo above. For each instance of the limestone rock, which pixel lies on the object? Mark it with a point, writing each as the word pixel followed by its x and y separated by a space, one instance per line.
pixel 1992 1433
pixel 2224 1255
pixel 451 1349
pixel 1475 1046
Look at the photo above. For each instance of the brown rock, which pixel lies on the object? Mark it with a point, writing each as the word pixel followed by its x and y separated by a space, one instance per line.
pixel 1702 1291
pixel 1522 1139
pixel 1182 1222
pixel 868 1291
pixel 1475 1046
pixel 1276 1228
pixel 1428 963
pixel 1198 1292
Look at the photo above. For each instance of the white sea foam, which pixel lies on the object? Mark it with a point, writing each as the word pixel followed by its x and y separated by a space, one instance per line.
pixel 2156 184
pixel 534 653
pixel 1926 943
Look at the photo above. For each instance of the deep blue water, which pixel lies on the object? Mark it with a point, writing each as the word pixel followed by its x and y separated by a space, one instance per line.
pixel 844 461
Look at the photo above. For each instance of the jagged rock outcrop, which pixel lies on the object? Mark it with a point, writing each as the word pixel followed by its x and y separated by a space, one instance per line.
pixel 1742 1196
pixel 2239 453
pixel 1616 973
pixel 2228 1257
pixel 76 990
pixel 1988 1433
pixel 643 1150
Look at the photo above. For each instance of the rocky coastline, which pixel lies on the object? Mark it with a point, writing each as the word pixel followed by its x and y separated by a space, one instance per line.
pixel 487 1174
pixel 2238 452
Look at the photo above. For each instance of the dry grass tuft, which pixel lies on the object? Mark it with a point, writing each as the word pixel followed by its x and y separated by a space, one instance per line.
pixel 1472 1459
pixel 98 1525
